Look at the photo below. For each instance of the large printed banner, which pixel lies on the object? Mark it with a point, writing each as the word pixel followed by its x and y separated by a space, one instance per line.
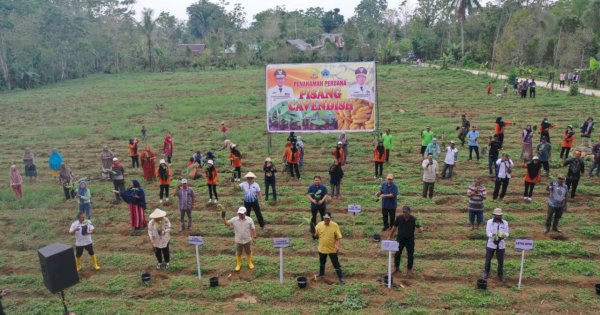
pixel 321 97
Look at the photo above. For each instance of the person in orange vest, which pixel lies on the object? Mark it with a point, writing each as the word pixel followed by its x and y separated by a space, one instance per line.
pixel 379 158
pixel 338 153
pixel 236 161
pixel 500 124
pixel 291 156
pixel 164 179
pixel 567 142
pixel 133 152
pixel 212 180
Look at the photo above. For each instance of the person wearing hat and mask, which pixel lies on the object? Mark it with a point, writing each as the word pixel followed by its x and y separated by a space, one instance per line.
pixel 133 152
pixel 148 166
pixel 223 131
pixel 339 153
pixel 168 147
pixel 236 161
pixel 83 230
pixel 360 89
pixel 433 149
pixel 450 160
pixel 117 174
pixel 567 142
pixel 279 92
pixel 85 199
pixel 387 143
pixel 557 203
pixel 186 197
pixel 532 176
pixel 329 235
pixel 336 174
pixel 496 231
pixel 212 180
pixel 159 231
pixel 317 194
pixel 504 167
pixel 270 170
pixel 388 193
pixel 252 197
pixel 136 198
pixel 245 234
pixel 430 168
pixel 291 157
pixel 344 140
pixel 576 169
pixel 379 159
pixel 164 179
pixel 405 224
pixel 426 138
pixel 477 194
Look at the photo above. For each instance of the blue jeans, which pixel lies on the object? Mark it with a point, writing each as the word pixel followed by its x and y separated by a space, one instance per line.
pixel 85 208
pixel 473 214
pixel 492 165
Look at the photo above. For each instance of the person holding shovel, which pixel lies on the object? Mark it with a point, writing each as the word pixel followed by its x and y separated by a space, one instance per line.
pixel 496 231
pixel 405 224
pixel 245 236
pixel 252 197
pixel 83 230
pixel 159 230
pixel 329 235
pixel 186 197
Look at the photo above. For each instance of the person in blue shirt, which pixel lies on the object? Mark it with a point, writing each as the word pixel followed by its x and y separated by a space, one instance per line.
pixel 473 138
pixel 388 194
pixel 317 194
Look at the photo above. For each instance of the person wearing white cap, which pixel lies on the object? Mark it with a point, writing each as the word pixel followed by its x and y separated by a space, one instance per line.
pixel 236 161
pixel 496 231
pixel 186 197
pixel 252 197
pixel 557 203
pixel 450 160
pixel 532 176
pixel 329 235
pixel 159 230
pixel 339 153
pixel 212 180
pixel 434 149
pixel 270 170
pixel 245 235
pixel 164 179
pixel 117 175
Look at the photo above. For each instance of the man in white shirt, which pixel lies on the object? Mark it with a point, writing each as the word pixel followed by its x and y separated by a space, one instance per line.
pixel 279 92
pixel 504 166
pixel 450 159
pixel 430 168
pixel 245 234
pixel 252 197
pixel 360 89
pixel 496 231
pixel 83 230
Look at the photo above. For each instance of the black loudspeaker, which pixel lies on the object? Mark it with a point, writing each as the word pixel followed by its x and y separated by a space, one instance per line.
pixel 58 266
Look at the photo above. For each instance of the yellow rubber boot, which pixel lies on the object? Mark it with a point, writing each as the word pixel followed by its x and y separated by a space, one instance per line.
pixel 250 264
pixel 238 260
pixel 95 262
pixel 78 261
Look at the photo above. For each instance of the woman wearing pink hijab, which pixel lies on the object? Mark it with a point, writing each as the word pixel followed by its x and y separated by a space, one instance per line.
pixel 168 148
pixel 16 181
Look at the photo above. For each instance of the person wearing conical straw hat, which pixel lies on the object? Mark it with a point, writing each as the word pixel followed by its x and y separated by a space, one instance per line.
pixel 496 231
pixel 252 197
pixel 245 235
pixel 159 230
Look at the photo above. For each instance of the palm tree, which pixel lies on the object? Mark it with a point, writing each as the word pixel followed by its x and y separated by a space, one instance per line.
pixel 462 7
pixel 148 25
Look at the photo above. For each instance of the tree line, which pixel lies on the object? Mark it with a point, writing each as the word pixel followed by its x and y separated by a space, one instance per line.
pixel 46 41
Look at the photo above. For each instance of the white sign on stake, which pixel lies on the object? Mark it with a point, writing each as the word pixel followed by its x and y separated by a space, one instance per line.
pixel 390 246
pixel 354 209
pixel 281 242
pixel 195 240
pixel 523 244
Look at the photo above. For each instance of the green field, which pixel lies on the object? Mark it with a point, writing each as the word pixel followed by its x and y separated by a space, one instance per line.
pixel 80 116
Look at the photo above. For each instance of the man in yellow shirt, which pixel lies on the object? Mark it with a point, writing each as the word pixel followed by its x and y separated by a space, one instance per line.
pixel 329 236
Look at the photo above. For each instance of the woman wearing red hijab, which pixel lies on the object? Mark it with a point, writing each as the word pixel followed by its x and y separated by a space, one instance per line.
pixel 168 148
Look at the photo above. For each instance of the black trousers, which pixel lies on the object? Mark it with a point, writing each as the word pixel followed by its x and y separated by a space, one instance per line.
pixel 321 210
pixel 294 168
pixel 169 159
pixel 553 216
pixel 237 172
pixel 492 164
pixel 528 189
pixel 335 189
pixel 545 134
pixel 500 183
pixel 545 165
pixel 423 147
pixel 564 151
pixel 270 182
pixel 378 169
pixel 531 93
pixel 334 260
pixel 387 155
pixel 256 207
pixel 428 189
pixel 79 250
pixel 409 244
pixel 389 215
pixel 572 183
pixel 501 139
pixel 69 193
pixel 162 252
pixel 212 190
pixel 489 254
pixel 164 191
pixel 471 149
pixel 119 185
pixel 135 161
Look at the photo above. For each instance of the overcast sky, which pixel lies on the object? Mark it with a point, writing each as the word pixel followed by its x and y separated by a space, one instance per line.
pixel 177 7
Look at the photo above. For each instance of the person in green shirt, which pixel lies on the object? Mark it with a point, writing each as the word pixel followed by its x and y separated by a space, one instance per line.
pixel 387 144
pixel 426 137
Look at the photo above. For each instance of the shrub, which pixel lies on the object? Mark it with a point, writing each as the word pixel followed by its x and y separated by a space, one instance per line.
pixel 574 90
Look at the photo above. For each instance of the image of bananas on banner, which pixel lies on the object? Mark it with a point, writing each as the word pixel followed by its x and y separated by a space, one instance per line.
pixel 321 97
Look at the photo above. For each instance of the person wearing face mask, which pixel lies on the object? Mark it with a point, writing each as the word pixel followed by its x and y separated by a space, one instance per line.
pixel 496 231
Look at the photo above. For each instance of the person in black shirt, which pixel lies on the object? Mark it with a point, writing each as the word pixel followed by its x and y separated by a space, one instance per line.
pixel 545 127
pixel 335 178
pixel 576 169
pixel 405 224
pixel 270 171
pixel 493 155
